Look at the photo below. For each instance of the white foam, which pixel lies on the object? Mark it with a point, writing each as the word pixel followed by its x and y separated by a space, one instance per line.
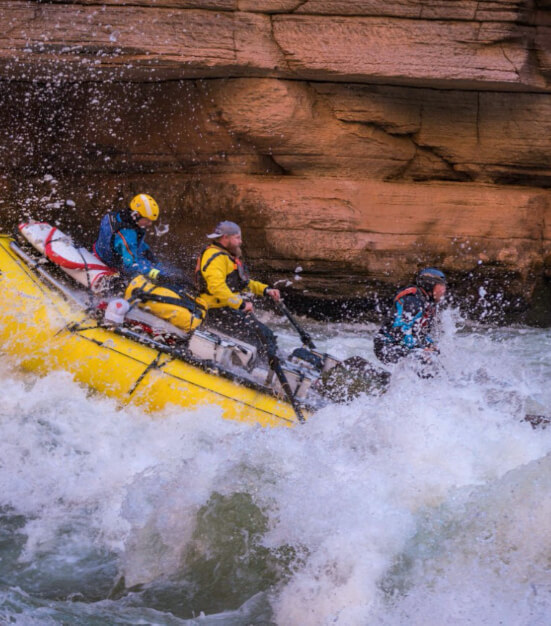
pixel 429 500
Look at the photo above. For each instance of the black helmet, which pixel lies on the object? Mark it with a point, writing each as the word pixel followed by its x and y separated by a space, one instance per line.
pixel 428 277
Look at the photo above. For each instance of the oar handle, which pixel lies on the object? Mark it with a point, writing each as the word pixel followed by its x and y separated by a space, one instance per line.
pixel 304 336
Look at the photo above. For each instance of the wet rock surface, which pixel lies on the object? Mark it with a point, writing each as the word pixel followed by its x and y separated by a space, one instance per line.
pixel 354 141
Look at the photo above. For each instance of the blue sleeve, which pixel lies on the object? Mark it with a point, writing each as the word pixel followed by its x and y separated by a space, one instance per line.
pixel 126 246
pixel 146 253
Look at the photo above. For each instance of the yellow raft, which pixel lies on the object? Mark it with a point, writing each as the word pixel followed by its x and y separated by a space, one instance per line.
pixel 44 331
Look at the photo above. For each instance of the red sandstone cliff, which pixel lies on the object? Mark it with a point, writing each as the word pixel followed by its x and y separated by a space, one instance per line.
pixel 358 139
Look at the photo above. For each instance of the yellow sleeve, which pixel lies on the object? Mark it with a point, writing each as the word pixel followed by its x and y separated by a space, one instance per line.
pixel 215 277
pixel 256 287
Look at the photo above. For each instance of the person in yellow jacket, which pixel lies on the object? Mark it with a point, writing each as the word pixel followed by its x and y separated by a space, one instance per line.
pixel 223 282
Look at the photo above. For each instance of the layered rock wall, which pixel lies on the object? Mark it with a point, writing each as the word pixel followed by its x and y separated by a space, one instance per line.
pixel 357 139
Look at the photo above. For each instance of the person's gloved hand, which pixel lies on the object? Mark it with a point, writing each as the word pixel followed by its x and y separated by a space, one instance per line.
pixel 246 307
pixel 153 274
pixel 273 293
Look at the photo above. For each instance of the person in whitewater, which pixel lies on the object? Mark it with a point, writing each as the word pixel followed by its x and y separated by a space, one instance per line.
pixel 408 331
pixel 160 289
pixel 223 282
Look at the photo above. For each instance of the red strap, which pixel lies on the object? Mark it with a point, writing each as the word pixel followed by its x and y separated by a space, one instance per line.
pixel 405 292
pixel 25 224
pixel 125 244
pixel 62 261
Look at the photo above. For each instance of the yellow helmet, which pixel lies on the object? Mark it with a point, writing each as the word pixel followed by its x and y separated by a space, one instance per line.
pixel 145 205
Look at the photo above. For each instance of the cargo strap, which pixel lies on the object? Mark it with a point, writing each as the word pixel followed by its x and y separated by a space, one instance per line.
pixel 63 262
pixel 154 364
pixel 144 296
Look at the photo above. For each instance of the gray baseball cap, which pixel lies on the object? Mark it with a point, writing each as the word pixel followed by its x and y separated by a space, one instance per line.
pixel 225 228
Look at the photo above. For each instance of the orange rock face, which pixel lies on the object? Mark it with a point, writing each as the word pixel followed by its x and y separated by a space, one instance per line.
pixel 357 140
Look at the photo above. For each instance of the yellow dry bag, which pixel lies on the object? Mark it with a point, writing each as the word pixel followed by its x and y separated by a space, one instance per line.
pixel 177 307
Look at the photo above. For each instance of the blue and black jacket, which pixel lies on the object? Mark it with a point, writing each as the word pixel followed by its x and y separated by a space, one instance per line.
pixel 411 321
pixel 121 244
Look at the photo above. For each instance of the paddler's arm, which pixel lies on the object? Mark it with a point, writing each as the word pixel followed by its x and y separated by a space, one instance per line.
pixel 261 289
pixel 125 245
pixel 147 253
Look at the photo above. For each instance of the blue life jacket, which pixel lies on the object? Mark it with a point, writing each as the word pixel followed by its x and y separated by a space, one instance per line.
pixel 121 245
pixel 411 321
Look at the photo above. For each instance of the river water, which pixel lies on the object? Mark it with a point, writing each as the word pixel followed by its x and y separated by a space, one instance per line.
pixel 427 505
